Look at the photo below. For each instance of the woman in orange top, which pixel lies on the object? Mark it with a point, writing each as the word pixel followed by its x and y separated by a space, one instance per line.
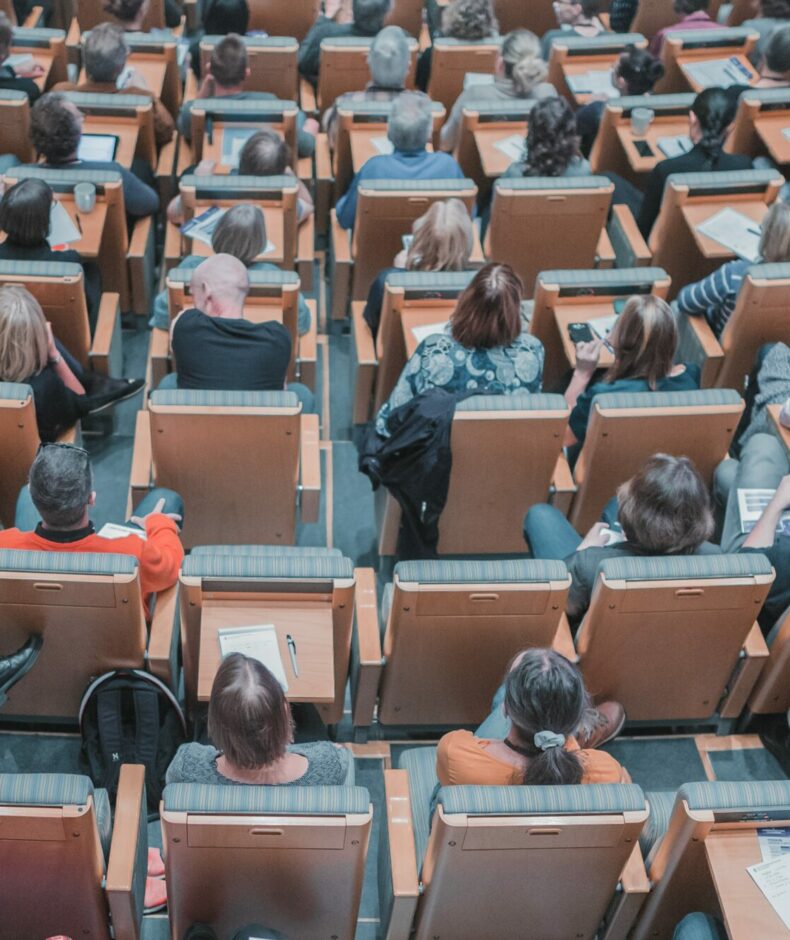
pixel 545 703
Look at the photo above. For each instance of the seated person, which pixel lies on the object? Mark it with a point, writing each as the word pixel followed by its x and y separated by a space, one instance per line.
pixel 219 18
pixel 774 65
pixel 622 13
pixel 664 509
pixel 388 60
pixel 131 16
pixel 644 341
pixel 710 123
pixel 225 77
pixel 63 392
pixel 442 240
pixel 217 348
pixel 552 147
pixel 60 493
pixel 367 19
pixel 574 18
pixel 24 217
pixel 770 15
pixel 104 58
pixel 520 74
pixel 634 73
pixel 250 725
pixel 483 351
pixel 241 232
pixel 409 129
pixel 692 14
pixel 716 295
pixel 467 20
pixel 19 78
pixel 56 129
pixel 537 732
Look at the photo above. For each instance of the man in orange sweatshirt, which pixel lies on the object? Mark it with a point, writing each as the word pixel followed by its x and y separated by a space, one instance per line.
pixel 60 493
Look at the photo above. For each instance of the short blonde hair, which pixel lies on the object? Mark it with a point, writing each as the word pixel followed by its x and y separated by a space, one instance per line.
pixel 443 238
pixel 24 344
pixel 775 238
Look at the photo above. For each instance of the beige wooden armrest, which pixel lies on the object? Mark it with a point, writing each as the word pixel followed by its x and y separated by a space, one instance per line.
pixel 630 248
pixel 141 265
pixel 365 361
pixel 770 695
pixel 628 902
pixel 750 664
pixel 172 254
pixel 563 640
pixel 307 350
pixel 140 476
pixel 397 922
pixel 365 688
pixel 604 252
pixel 305 252
pixel 105 353
pixel 185 155
pixel 307 99
pixel 160 639
pixel 697 344
pixel 324 183
pixel 74 40
pixel 342 263
pixel 562 485
pixel 192 13
pixel 159 356
pixel 130 806
pixel 166 172
pixel 310 468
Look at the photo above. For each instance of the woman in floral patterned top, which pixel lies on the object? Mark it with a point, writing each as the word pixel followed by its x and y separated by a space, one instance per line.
pixel 482 351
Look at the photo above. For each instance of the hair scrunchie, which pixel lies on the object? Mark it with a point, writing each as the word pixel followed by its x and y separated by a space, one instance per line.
pixel 546 740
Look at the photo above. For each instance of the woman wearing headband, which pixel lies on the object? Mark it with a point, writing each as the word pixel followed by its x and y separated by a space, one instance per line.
pixel 542 730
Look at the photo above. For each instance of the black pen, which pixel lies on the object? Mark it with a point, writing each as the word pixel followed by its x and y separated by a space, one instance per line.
pixel 292 653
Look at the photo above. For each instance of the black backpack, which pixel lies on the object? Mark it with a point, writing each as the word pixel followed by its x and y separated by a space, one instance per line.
pixel 128 716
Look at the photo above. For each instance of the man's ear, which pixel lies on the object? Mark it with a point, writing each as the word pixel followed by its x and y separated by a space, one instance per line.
pixel 92 499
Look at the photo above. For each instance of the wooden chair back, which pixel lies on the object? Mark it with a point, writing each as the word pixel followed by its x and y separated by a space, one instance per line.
pixel 344 67
pixel 771 693
pixel 211 117
pixel 120 114
pixel 90 13
pixel 15 124
pixel 770 109
pixel 271 60
pixel 45 44
pixel 688 47
pixel 573 54
pixel 452 59
pixel 157 48
pixel 482 125
pixel 279 19
pixel 653 16
pixel 19 432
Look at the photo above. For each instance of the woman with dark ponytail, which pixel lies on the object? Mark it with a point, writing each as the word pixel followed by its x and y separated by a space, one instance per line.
pixel 710 121
pixel 542 731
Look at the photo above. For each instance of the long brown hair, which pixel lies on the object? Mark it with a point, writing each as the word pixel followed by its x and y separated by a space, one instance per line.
pixel 488 313
pixel 644 338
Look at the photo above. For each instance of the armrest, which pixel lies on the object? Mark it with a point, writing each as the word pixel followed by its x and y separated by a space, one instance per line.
pixel 34 19
pixel 627 903
pixel 192 14
pixel 364 362
pixel 403 872
pixel 166 171
pixel 307 350
pixel 160 639
pixel 74 37
pixel 310 468
pixel 159 356
pixel 185 155
pixel 105 355
pixel 324 183
pixel 305 252
pixel 563 640
pixel 698 345
pixel 142 263
pixel 342 263
pixel 307 98
pixel 750 664
pixel 172 254
pixel 365 685
pixel 129 851
pixel 142 461
pixel 771 694
pixel 563 487
pixel 630 248
pixel 604 252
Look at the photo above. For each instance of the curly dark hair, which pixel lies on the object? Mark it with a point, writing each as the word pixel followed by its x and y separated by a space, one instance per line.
pixel 123 10
pixel 469 19
pixel 552 138
pixel 54 129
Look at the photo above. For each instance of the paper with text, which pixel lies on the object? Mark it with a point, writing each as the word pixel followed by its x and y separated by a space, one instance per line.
pixel 258 642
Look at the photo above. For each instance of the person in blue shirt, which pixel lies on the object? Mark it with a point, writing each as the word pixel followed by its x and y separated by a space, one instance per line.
pixel 409 130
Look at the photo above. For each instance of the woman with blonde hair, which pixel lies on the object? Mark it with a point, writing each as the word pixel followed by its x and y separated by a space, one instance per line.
pixel 520 74
pixel 441 240
pixel 716 295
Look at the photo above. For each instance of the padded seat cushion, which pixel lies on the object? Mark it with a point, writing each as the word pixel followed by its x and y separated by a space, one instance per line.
pixel 17 391
pixel 420 762
pixel 515 801
pixel 769 794
pixel 518 401
pixel 497 571
pixel 661 803
pixel 44 789
pixel 685 567
pixel 67 562
pixel 295 801
pixel 284 551
pixel 213 398
pixel 298 567
pixel 696 398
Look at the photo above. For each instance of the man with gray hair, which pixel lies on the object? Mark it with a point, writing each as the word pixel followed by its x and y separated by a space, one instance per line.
pixel 367 19
pixel 388 60
pixel 409 130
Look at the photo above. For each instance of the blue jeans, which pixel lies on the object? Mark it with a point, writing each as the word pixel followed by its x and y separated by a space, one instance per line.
pixel 302 392
pixel 27 517
pixel 549 534
pixel 699 927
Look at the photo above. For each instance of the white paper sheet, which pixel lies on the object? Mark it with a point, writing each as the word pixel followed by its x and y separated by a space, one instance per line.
pixel 774 843
pixel 258 642
pixel 19 61
pixel 751 503
pixel 718 72
pixel 62 231
pixel 512 147
pixel 674 146
pixel 735 231
pixel 97 147
pixel 773 879
pixel 477 78
pixel 233 140
pixel 593 82
pixel 383 145
pixel 112 531
pixel 603 326
pixel 423 332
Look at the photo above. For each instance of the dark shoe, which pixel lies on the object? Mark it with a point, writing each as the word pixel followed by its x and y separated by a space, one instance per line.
pixel 113 391
pixel 200 932
pixel 18 664
pixel 601 724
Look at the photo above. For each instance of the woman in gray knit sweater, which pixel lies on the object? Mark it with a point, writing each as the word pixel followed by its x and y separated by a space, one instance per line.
pixel 249 721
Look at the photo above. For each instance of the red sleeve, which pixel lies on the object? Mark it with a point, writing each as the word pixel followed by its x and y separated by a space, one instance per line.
pixel 162 554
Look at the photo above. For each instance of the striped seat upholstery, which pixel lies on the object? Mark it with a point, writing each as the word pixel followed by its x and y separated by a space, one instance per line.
pixel 259 278
pixel 41 268
pixel 680 102
pixel 417 186
pixel 95 101
pixel 606 277
pixel 432 280
pixel 670 567
pixel 564 800
pixel 293 801
pixel 280 565
pixel 698 398
pixel 421 765
pixel 514 571
pixel 728 179
pixel 66 180
pixel 661 803
pixel 284 551
pixel 15 391
pixel 213 398
pixel 519 401
pixel 603 41
pixel 542 183
pixel 67 562
pixel 236 186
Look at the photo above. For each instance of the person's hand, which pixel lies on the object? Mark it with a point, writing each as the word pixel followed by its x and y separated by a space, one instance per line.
pixel 596 537
pixel 156 511
pixel 332 8
pixel 52 349
pixel 587 355
pixel 175 211
pixel 207 86
pixel 31 71
pixel 205 167
pixel 311 126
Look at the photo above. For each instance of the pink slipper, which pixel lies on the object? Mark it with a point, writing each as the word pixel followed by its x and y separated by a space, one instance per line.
pixel 155 895
pixel 156 866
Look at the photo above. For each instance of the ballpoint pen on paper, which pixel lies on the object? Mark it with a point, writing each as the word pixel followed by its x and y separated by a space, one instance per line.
pixel 292 653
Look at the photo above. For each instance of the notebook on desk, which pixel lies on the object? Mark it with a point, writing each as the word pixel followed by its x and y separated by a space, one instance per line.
pixel 258 642
pixel 735 231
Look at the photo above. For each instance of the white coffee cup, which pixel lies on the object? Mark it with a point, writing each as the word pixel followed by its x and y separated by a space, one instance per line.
pixel 641 119
pixel 85 196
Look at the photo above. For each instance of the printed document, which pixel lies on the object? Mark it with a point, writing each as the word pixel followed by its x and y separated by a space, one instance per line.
pixel 735 231
pixel 259 642
pixel 773 879
pixel 512 147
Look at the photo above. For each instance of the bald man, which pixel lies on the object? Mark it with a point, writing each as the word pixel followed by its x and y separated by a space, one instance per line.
pixel 215 347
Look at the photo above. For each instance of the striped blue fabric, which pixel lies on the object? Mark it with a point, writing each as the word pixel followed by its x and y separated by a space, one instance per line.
pixel 270 567
pixel 284 551
pixel 134 40
pixel 67 562
pixel 296 801
pixel 698 398
pixel 735 35
pixel 420 762
pixel 375 106
pixel 256 278
pixel 97 100
pixel 526 570
pixel 768 95
pixel 256 42
pixel 39 35
pixel 727 179
pixel 607 277
pixel 513 107
pixel 432 280
pixel 417 186
pixel 236 183
pixel 17 391
pixel 678 102
pixel 8 94
pixel 534 183
pixel 452 41
pixel 349 41
pixel 769 272
pixel 601 41
pixel 41 268
pixel 101 799
pixel 687 567
pixel 244 106
pixel 44 789
pixel 660 803
pixel 67 177
pixel 514 801
pixel 766 794
pixel 518 401
pixel 211 398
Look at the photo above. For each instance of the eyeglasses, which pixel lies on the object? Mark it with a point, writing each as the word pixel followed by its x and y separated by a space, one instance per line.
pixel 72 447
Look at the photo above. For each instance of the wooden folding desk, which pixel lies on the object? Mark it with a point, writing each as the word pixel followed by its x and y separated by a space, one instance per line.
pixel 363 148
pixel 782 432
pixel 42 57
pixel 91 224
pixel 126 130
pixel 583 64
pixel 671 126
pixel 694 58
pixel 747 913
pixel 309 625
pixel 770 129
pixel 418 318
pixel 697 213
pixel 273 220
pixel 492 159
